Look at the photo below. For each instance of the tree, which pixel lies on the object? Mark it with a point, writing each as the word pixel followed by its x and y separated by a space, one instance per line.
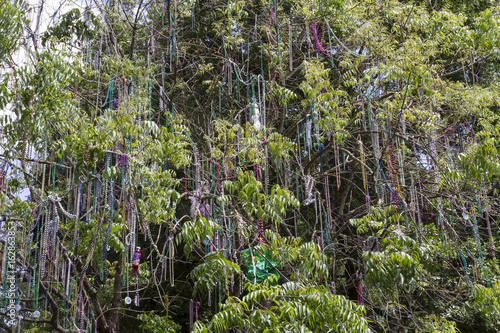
pixel 253 166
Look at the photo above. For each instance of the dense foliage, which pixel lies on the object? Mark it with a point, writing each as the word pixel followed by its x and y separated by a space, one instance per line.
pixel 291 166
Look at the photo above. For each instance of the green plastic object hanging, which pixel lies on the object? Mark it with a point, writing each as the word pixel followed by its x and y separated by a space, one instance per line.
pixel 264 267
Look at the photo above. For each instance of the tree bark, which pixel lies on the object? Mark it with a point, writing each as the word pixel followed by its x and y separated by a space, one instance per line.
pixel 114 313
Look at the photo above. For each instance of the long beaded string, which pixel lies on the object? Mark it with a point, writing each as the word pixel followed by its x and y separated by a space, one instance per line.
pixel 191 321
pixel 106 236
pixel 375 143
pixel 55 229
pixel 197 176
pixel 44 157
pixel 308 135
pixel 277 32
pixel 44 245
pixel 337 163
pixel 394 174
pixel 328 203
pixel 319 47
pixel 81 305
pixel 363 173
pixel 171 252
pixel 488 226
pixel 36 266
pixel 133 235
pixel 419 214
